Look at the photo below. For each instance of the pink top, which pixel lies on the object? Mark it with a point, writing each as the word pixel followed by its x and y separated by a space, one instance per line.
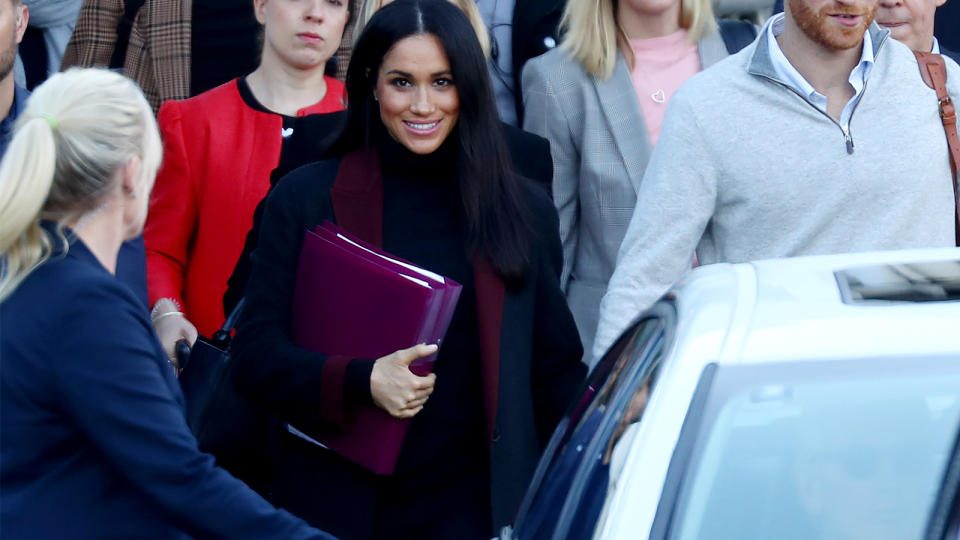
pixel 661 65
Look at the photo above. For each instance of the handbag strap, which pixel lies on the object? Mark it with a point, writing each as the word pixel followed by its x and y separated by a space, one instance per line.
pixel 222 337
pixel 231 321
pixel 934 73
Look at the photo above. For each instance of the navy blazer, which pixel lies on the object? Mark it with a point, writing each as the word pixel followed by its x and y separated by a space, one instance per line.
pixel 95 443
pixel 535 30
pixel 132 268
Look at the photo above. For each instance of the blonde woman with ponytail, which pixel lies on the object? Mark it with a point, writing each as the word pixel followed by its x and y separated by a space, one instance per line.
pixel 95 443
pixel 600 98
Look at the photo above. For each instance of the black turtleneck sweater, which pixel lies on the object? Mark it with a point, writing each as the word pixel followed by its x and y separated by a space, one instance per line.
pixel 422 223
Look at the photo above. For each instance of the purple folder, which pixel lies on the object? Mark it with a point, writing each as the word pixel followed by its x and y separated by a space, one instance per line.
pixel 356 300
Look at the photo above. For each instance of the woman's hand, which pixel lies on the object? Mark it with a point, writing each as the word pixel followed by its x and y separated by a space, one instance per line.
pixel 172 326
pixel 395 388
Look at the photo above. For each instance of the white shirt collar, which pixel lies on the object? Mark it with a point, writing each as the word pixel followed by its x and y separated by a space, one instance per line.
pixel 790 76
pixel 936 46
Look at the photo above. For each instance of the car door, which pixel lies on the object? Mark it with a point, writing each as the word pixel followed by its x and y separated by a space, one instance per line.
pixel 580 466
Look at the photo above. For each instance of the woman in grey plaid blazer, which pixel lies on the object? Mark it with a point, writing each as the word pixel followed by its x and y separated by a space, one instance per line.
pixel 595 100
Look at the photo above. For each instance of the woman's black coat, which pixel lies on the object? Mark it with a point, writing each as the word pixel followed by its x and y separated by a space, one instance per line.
pixel 530 349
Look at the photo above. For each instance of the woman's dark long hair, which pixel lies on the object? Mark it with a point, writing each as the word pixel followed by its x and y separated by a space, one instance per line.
pixel 497 220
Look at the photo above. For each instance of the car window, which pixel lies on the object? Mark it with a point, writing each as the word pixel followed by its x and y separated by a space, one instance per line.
pixel 930 281
pixel 589 501
pixel 845 450
pixel 570 487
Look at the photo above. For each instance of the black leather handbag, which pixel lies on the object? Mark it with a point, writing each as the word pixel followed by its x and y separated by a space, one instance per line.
pixel 226 424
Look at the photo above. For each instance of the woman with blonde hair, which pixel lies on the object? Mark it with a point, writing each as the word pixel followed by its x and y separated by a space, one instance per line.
pixel 95 444
pixel 600 99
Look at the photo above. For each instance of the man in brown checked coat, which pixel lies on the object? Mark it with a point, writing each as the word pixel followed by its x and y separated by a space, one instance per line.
pixel 160 55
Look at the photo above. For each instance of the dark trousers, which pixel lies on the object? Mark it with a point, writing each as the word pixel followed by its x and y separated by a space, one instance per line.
pixel 351 503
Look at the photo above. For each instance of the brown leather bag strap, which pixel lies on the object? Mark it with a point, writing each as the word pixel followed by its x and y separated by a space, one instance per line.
pixel 934 73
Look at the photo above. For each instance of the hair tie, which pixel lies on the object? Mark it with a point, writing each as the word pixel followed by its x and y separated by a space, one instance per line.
pixel 50 120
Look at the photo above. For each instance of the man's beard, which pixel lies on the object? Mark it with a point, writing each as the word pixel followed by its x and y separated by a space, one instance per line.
pixel 8 55
pixel 818 28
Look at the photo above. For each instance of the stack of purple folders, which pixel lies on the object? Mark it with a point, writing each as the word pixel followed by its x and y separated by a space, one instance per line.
pixel 354 299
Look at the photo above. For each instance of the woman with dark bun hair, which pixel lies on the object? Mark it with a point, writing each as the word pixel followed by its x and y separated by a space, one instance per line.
pixel 424 173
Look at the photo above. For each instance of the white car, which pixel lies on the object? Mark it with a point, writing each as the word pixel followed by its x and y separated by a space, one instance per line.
pixel 805 398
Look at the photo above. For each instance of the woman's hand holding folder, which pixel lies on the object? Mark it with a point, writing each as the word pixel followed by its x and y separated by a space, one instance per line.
pixel 395 388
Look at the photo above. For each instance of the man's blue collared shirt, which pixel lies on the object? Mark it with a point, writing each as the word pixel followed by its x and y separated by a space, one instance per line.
pixel 6 125
pixel 790 76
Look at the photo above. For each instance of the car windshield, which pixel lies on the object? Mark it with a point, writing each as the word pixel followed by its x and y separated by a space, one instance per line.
pixel 841 450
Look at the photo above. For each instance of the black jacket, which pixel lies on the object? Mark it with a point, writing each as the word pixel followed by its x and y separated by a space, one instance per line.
pixel 534 359
pixel 535 31
pixel 947 25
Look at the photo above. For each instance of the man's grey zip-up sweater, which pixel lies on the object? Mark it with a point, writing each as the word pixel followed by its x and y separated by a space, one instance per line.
pixel 746 168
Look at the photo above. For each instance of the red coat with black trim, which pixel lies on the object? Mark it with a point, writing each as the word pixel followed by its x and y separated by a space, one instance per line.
pixel 218 155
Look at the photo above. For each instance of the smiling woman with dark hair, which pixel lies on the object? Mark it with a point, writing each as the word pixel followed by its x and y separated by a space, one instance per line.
pixel 424 174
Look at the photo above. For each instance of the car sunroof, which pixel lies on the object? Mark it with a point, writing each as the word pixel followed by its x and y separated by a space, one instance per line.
pixel 934 281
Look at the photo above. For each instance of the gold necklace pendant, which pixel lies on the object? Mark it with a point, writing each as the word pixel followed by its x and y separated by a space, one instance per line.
pixel 659 96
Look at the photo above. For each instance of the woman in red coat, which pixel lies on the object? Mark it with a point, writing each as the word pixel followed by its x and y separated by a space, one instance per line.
pixel 220 148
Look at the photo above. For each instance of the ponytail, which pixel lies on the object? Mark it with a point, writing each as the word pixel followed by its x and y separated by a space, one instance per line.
pixel 78 129
pixel 25 181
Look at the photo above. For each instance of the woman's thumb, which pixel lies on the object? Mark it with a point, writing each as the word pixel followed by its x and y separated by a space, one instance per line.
pixel 407 356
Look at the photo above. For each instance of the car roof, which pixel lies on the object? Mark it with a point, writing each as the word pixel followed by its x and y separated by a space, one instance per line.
pixel 794 309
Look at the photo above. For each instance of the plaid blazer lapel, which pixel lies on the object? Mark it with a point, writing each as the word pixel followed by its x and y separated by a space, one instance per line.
pixel 617 99
pixel 158 57
pixel 346 44
pixel 95 34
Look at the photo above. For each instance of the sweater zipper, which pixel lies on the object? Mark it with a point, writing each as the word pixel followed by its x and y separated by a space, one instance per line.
pixel 847 136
